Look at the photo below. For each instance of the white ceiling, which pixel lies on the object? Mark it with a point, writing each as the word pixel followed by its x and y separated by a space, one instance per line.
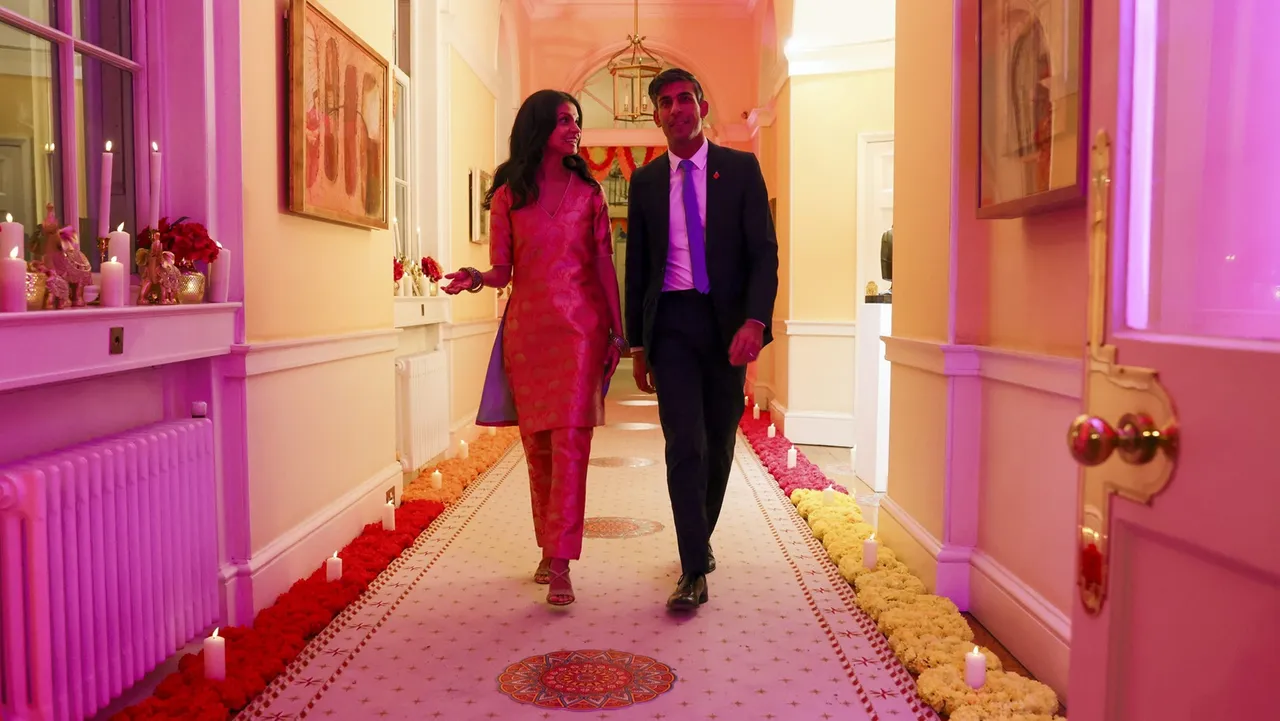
pixel 648 8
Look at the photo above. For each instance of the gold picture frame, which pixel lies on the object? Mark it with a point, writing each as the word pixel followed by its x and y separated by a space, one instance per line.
pixel 339 117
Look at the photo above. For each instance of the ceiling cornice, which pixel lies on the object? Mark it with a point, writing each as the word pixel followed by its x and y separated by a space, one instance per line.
pixel 595 10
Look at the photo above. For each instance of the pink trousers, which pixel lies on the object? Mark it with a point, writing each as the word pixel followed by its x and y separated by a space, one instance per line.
pixel 558 487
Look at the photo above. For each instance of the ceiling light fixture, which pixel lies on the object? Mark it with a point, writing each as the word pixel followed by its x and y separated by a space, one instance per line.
pixel 633 68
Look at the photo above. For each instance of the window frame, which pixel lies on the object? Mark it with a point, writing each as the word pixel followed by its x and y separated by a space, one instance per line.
pixel 407 220
pixel 60 35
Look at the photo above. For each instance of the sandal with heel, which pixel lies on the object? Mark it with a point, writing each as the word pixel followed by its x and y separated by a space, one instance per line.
pixel 542 576
pixel 560 597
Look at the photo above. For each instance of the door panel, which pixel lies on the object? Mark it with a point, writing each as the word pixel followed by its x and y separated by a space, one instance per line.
pixel 1177 615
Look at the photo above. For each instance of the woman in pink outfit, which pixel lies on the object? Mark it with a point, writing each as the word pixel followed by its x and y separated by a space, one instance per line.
pixel 562 333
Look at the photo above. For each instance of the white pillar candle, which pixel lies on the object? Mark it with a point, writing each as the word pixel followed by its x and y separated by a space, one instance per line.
pixel 333 568
pixel 829 496
pixel 153 216
pixel 118 244
pixel 389 516
pixel 493 431
pixel 755 411
pixel 12 236
pixel 215 657
pixel 437 480
pixel 104 193
pixel 975 669
pixel 220 276
pixel 112 284
pixel 463 453
pixel 13 283
pixel 870 550
pixel 773 431
pixel 791 457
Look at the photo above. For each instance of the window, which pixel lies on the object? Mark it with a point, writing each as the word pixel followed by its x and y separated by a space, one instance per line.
pixel 72 82
pixel 405 233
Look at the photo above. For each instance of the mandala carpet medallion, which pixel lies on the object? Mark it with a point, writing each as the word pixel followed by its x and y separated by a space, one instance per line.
pixel 586 680
pixel 615 527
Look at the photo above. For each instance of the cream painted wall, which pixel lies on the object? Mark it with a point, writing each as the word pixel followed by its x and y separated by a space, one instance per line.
pixel 781 188
pixel 471 134
pixel 829 112
pixel 314 433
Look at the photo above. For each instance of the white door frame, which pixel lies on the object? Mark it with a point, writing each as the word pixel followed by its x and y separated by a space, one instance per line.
pixel 865 140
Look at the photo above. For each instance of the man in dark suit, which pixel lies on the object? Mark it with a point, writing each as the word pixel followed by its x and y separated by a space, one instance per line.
pixel 701 280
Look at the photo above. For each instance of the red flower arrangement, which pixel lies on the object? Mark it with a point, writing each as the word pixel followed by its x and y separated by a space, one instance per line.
pixel 773 455
pixel 397 269
pixel 431 269
pixel 258 654
pixel 189 242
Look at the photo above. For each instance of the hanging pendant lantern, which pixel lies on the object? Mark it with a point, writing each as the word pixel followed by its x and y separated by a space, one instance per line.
pixel 633 68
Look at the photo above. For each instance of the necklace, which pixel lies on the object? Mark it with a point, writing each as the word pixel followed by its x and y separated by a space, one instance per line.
pixel 564 193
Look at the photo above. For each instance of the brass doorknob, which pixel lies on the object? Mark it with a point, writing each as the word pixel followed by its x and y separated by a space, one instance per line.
pixel 1137 439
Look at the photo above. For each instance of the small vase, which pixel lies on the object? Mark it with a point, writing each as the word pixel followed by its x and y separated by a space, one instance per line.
pixel 433 289
pixel 191 288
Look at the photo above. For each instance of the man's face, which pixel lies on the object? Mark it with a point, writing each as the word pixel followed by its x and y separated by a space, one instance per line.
pixel 679 112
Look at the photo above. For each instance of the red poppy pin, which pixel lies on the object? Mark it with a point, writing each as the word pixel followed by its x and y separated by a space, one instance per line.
pixel 715 175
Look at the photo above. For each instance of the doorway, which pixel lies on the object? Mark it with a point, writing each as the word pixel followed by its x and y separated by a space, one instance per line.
pixel 870 455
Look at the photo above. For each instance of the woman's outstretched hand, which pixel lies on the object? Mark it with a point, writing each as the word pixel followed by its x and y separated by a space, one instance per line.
pixel 458 282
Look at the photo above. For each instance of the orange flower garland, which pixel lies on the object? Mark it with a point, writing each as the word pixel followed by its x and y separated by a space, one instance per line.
pixel 457 474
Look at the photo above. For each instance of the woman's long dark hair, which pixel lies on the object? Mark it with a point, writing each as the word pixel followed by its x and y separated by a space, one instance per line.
pixel 535 121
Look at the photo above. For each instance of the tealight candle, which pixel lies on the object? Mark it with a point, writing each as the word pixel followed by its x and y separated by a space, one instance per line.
pixel 437 480
pixel 463 453
pixel 791 457
pixel 112 283
pixel 389 516
pixel 13 283
pixel 333 568
pixel 829 496
pixel 975 669
pixel 12 235
pixel 870 551
pixel 215 657
pixel 773 431
pixel 755 411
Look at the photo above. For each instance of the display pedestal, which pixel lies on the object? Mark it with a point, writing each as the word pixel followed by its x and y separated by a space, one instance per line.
pixel 871 404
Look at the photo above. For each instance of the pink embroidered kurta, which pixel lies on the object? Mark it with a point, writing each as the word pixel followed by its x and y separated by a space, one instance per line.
pixel 557 323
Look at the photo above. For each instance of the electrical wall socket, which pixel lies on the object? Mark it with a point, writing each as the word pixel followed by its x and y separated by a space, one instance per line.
pixel 391 494
pixel 115 341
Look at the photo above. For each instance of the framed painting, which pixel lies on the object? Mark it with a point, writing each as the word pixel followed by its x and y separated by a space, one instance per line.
pixel 480 181
pixel 1033 88
pixel 338 121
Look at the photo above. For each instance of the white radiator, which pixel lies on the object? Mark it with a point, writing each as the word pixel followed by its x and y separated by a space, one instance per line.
pixel 422 405
pixel 108 565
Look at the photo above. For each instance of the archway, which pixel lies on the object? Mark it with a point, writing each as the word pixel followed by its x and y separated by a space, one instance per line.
pixel 593 65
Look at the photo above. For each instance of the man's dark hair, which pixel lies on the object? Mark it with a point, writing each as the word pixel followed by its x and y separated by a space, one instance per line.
pixel 669 76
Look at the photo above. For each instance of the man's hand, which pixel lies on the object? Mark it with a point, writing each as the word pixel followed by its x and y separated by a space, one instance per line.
pixel 747 343
pixel 640 371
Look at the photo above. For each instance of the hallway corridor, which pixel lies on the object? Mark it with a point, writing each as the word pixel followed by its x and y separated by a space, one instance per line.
pixel 457 629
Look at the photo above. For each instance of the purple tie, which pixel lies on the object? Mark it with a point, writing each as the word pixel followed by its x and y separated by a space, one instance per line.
pixel 697 234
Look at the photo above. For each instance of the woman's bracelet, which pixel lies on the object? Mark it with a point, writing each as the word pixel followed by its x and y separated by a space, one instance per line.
pixel 477 280
pixel 618 342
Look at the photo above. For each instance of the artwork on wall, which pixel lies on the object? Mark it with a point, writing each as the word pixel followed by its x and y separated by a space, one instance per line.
pixel 338 102
pixel 479 182
pixel 1033 105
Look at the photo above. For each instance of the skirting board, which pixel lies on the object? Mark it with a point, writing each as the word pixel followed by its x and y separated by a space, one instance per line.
pixel 948 565
pixel 816 428
pixel 302 549
pixel 1035 631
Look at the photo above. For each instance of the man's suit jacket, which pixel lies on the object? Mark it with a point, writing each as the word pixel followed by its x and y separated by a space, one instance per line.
pixel 741 244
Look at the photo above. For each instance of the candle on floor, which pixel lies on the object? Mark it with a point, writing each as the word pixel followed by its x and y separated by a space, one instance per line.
pixel 153 217
pixel 220 276
pixel 829 496
pixel 215 657
pixel 389 516
pixel 112 284
pixel 13 283
pixel 975 669
pixel 773 431
pixel 333 568
pixel 463 453
pixel 104 193
pixel 12 236
pixel 492 431
pixel 870 550
pixel 791 457
pixel 755 411
pixel 437 480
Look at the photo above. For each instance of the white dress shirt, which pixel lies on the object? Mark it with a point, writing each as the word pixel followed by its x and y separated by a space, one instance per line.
pixel 679 275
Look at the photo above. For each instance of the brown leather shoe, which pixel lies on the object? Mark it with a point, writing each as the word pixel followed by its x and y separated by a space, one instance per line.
pixel 690 593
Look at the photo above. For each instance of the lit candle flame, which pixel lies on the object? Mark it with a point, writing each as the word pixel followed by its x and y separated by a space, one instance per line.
pixel 8 217
pixel 335 554
pixel 13 253
pixel 108 146
pixel 215 632
pixel 155 147
pixel 976 652
pixel 113 259
pixel 872 538
pixel 120 228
